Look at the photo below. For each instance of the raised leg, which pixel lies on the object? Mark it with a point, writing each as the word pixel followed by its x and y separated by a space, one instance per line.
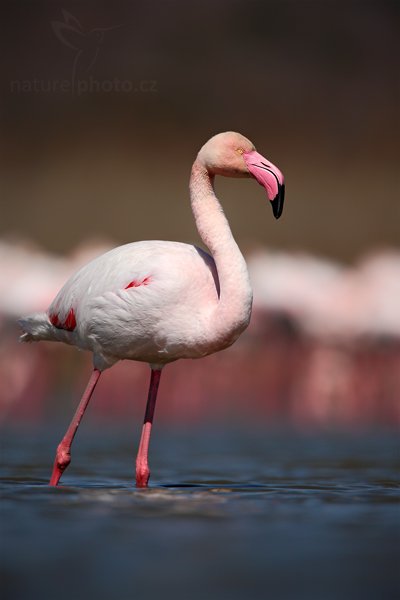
pixel 63 455
pixel 142 463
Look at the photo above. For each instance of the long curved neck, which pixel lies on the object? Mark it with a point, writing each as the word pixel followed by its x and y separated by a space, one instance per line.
pixel 234 306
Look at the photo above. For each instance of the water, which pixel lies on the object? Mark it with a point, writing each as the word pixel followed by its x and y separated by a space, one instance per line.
pixel 230 515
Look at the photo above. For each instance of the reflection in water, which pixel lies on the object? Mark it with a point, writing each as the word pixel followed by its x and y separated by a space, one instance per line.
pixel 228 515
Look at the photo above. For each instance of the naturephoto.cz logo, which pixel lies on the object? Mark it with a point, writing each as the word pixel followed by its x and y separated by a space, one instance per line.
pixel 86 46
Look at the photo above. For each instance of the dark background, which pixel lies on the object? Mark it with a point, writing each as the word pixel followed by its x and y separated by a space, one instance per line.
pixel 314 84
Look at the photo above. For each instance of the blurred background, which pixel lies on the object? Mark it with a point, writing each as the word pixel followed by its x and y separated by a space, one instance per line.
pixel 104 107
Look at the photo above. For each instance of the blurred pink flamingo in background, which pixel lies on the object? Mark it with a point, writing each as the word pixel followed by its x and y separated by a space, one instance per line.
pixel 327 300
pixel 322 349
pixel 156 301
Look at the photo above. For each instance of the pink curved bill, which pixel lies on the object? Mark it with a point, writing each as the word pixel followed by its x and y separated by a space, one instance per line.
pixel 269 176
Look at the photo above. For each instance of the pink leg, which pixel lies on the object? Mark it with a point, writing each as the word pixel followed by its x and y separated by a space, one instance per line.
pixel 142 464
pixel 63 455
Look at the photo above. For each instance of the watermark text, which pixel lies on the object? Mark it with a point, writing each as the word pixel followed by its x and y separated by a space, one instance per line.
pixel 80 87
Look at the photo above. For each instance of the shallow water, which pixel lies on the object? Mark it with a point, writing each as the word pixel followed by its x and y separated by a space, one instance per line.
pixel 230 514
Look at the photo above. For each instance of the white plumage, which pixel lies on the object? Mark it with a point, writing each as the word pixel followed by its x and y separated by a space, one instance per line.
pixel 158 321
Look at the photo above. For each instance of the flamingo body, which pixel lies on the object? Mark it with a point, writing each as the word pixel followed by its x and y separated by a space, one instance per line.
pixel 158 301
pixel 150 301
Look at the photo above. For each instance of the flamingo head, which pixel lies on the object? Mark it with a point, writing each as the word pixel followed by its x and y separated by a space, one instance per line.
pixel 232 155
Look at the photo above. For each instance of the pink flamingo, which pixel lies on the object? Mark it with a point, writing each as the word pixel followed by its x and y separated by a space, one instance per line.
pixel 157 301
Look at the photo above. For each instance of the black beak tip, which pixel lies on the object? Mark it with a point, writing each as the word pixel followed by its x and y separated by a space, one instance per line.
pixel 277 202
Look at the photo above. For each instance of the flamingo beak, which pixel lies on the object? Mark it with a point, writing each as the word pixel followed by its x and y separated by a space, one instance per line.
pixel 277 202
pixel 270 177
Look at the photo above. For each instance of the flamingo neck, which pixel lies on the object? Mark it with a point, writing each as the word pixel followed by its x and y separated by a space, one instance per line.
pixel 234 307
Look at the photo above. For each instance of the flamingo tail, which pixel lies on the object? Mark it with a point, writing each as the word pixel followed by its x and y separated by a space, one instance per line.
pixel 36 327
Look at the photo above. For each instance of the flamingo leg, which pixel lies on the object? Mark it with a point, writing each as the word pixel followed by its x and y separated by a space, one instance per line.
pixel 63 454
pixel 142 463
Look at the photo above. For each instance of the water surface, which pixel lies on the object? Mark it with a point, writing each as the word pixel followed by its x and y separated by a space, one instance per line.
pixel 230 514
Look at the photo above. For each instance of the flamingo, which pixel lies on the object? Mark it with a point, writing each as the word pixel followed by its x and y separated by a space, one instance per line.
pixel 158 301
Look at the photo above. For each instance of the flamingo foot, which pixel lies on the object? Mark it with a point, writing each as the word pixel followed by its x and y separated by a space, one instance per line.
pixel 142 463
pixel 62 460
pixel 142 477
